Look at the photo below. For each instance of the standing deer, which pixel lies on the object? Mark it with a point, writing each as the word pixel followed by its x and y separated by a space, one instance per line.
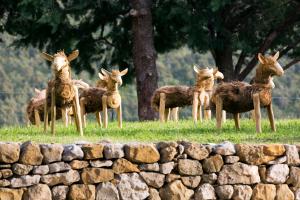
pixel 61 91
pixel 237 97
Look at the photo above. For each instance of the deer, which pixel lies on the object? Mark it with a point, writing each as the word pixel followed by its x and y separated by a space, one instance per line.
pixel 238 97
pixel 61 91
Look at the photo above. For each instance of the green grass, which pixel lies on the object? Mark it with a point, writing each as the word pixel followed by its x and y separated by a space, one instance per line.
pixel 288 131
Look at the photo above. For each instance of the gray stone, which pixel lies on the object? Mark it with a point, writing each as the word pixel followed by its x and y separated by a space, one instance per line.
pixel 279 160
pixel 196 151
pixel 231 159
pixel 205 192
pixel 294 178
pixel 59 167
pixel 242 192
pixel 21 169
pixel 175 191
pixel 60 192
pixel 277 173
pixel 39 191
pixel 166 168
pixel 6 173
pixel 25 181
pixel 153 179
pixel 189 167
pixel 224 191
pixel 153 194
pixel 112 151
pixel 66 178
pixel 51 152
pixel 225 149
pixel 4 183
pixel 41 170
pixel 107 191
pixel 72 152
pixel 132 187
pixel 191 181
pixel 209 178
pixel 180 149
pixel 149 167
pixel 101 163
pixel 172 177
pixel 292 155
pixel 297 193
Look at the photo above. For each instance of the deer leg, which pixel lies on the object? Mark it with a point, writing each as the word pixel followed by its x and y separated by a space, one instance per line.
pixel 77 110
pixel 75 116
pixel 162 104
pixel 53 111
pixel 271 117
pixel 119 113
pixel 37 117
pixel 98 118
pixel 223 116
pixel 256 104
pixel 219 106
pixel 236 117
pixel 195 106
pixel 252 115
pixel 175 114
pixel 64 115
pixel 82 113
pixel 45 115
pixel 167 114
pixel 104 106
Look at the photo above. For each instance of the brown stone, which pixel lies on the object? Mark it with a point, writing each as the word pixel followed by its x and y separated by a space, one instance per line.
pixel 11 194
pixel 213 164
pixel 142 153
pixel 176 191
pixel 153 194
pixel 242 192
pixel 196 151
pixel 283 192
pixel 294 178
pixel 273 149
pixel 6 173
pixel 191 181
pixel 30 154
pixel 153 179
pixel 79 164
pixel 124 166
pixel 39 191
pixel 92 151
pixel 172 177
pixel 189 167
pixel 96 175
pixel 51 152
pixel 66 178
pixel 264 192
pixel 82 192
pixel 167 154
pixel 9 152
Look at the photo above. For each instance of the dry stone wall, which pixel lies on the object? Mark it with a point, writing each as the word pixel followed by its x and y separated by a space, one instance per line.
pixel 165 170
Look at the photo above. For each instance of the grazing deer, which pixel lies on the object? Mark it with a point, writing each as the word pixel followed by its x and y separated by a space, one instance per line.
pixel 61 91
pixel 237 97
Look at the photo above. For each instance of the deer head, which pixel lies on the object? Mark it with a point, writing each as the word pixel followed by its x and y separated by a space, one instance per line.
pixel 269 65
pixel 218 74
pixel 115 76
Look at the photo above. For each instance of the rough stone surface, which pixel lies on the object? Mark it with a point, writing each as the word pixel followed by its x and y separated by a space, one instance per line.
pixel 153 194
pixel 175 191
pixel 52 152
pixel 191 181
pixel 172 177
pixel 238 173
pixel 153 179
pixel 65 178
pixel 21 169
pixel 6 173
pixel 72 152
pixel 41 170
pixel 60 192
pixel 92 151
pixel 224 191
pixel 59 167
pixel 79 164
pixel 196 151
pixel 82 192
pixel 25 181
pixel 273 149
pixel 107 191
pixel 132 187
pixel 225 149
pixel 292 155
pixel 137 152
pixel 39 191
pixel 4 183
pixel 209 178
pixel 189 167
pixel 297 193
pixel 124 166
pixel 283 192
pixel 277 173
pixel 262 170
pixel 96 175
pixel 168 154
pixel 149 167
pixel 9 152
pixel 166 168
pixel 112 151
pixel 101 163
pixel 231 159
pixel 242 192
pixel 294 178
pixel 213 164
pixel 30 154
pixel 264 192
pixel 278 160
pixel 11 194
pixel 205 192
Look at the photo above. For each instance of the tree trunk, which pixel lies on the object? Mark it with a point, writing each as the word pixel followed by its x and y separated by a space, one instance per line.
pixel 224 62
pixel 144 56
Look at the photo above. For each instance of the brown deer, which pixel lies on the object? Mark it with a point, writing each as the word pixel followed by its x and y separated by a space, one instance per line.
pixel 61 92
pixel 237 97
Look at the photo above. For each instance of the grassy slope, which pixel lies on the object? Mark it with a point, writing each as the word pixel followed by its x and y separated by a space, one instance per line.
pixel 288 132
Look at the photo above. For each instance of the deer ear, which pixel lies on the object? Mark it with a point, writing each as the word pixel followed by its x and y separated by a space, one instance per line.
pixel 101 76
pixel 37 90
pixel 276 56
pixel 105 72
pixel 73 55
pixel 196 69
pixel 261 58
pixel 47 56
pixel 122 73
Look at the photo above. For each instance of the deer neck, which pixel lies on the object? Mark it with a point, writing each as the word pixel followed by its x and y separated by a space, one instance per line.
pixel 64 75
pixel 112 87
pixel 200 84
pixel 262 76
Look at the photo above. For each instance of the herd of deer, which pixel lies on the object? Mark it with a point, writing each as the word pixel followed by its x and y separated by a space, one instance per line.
pixel 66 97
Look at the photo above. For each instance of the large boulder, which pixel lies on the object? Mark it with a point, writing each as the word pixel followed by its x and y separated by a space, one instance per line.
pixel 52 152
pixel 9 152
pixel 175 191
pixel 39 191
pixel 137 152
pixel 277 173
pixel 82 192
pixel 96 175
pixel 30 154
pixel 189 167
pixel 107 190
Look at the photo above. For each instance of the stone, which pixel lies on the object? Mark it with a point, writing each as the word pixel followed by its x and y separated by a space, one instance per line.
pixel 294 178
pixel 52 152
pixel 242 192
pixel 283 192
pixel 277 173
pixel 231 159
pixel 154 167
pixel 112 151
pixel 96 175
pixel 59 167
pixel 297 193
pixel 5 166
pixel 9 152
pixel 162 145
pixel 153 179
pixel 262 170
pixel 238 173
pixel 189 167
pixel 279 160
pixel 39 191
pixel 213 164
pixel 25 181
pixel 224 191
pixel 6 173
pixel 292 155
pixel 41 169
pixel 253 154
pixel 153 194
pixel 107 191
pixel 82 192
pixel 92 151
pixel 172 177
pixel 273 149
pixel 79 164
pixel 124 166
pixel 65 178
pixel 196 151
pixel 30 154
pixel 166 168
pixel 225 149
pixel 209 178
pixel 101 163
pixel 180 149
pixel 191 181
pixel 132 187
pixel 264 192
pixel 4 183
pixel 175 191
pixel 21 169
pixel 11 194
pixel 205 192
pixel 60 192
pixel 72 152
pixel 137 152
pixel 167 154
